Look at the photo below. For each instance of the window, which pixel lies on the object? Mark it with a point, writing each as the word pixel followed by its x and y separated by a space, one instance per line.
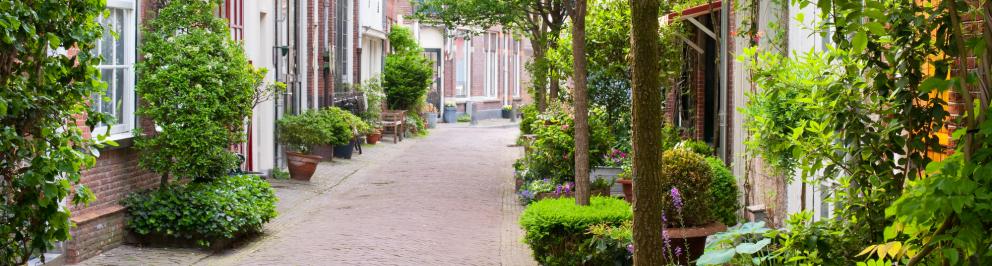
pixel 492 68
pixel 233 11
pixel 117 68
pixel 516 69
pixel 462 47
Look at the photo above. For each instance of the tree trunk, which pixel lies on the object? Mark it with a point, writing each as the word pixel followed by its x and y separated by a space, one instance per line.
pixel 646 119
pixel 555 87
pixel 580 97
pixel 164 181
pixel 539 76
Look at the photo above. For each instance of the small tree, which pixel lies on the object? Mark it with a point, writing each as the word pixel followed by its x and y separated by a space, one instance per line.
pixel 198 87
pixel 44 91
pixel 408 73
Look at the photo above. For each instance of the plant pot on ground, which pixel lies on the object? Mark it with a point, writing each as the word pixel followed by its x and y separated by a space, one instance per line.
pixel 345 151
pixel 450 112
pixel 374 137
pixel 507 111
pixel 300 133
pixel 431 119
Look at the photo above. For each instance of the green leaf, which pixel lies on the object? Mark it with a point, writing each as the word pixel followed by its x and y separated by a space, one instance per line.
pixel 716 257
pixel 751 248
pixel 859 42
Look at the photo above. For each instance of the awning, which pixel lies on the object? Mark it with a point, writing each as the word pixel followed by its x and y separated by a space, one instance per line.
pixel 690 14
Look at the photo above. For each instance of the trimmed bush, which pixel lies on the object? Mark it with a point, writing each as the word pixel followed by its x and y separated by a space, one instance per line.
pixel 343 125
pixel 698 146
pixel 690 173
pixel 407 73
pixel 723 192
pixel 302 132
pixel 220 208
pixel 557 230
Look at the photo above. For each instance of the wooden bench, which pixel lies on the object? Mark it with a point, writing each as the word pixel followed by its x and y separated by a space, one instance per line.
pixel 393 122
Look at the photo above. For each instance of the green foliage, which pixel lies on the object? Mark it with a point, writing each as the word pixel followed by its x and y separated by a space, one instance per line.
pixel 803 243
pixel 374 97
pixel 407 73
pixel 41 150
pixel 698 146
pixel 345 124
pixel 302 132
pixel 220 208
pixel 743 244
pixel 416 123
pixel 464 118
pixel 690 173
pixel 278 173
pixel 528 114
pixel 196 85
pixel 723 192
pixel 557 230
pixel 553 153
pixel 610 243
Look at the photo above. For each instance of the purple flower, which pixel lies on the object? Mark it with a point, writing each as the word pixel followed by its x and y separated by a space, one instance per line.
pixel 663 218
pixel 568 187
pixel 630 248
pixel 558 190
pixel 668 240
pixel 676 198
pixel 678 251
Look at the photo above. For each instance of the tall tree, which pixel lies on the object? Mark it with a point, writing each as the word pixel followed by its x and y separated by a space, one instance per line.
pixel 580 95
pixel 541 21
pixel 647 151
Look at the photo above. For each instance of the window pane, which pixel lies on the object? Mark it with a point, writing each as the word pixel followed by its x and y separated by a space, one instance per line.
pixel 120 76
pixel 107 49
pixel 119 44
pixel 107 75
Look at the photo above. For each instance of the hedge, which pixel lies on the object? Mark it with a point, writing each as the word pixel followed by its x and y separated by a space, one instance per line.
pixel 557 230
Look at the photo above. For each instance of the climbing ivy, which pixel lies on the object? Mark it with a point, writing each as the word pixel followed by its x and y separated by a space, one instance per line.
pixel 48 79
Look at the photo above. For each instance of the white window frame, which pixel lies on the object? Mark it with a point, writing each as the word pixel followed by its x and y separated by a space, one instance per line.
pixel 122 129
pixel 516 70
pixel 492 65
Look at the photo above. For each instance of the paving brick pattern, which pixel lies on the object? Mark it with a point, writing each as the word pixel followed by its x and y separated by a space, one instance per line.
pixel 445 199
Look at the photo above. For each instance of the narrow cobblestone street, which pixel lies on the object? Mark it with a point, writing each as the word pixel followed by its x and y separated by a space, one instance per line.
pixel 444 199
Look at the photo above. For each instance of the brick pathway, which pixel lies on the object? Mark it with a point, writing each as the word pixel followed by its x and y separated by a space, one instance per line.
pixel 445 199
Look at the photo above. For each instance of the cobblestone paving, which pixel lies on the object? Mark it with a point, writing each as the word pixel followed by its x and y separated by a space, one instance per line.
pixel 445 199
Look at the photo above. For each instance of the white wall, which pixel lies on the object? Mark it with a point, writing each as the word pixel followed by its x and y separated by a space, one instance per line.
pixel 259 39
pixel 371 14
pixel 431 37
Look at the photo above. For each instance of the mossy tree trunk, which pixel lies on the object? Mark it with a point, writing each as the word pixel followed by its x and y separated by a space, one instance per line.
pixel 646 120
pixel 580 97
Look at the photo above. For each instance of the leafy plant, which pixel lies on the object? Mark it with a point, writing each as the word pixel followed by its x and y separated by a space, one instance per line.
pixel 278 173
pixel 698 146
pixel 691 175
pixel 723 192
pixel 375 98
pixel 407 73
pixel 552 153
pixel 203 211
pixel 557 230
pixel 302 132
pixel 528 115
pixel 507 107
pixel 464 118
pixel 743 244
pixel 611 243
pixel 42 149
pixel 197 86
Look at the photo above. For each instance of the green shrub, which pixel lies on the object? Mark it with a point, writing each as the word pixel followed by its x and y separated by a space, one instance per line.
pixel 723 192
pixel 690 173
pixel 302 132
pixel 374 97
pixel 344 125
pixel 528 115
pixel 557 230
pixel 198 87
pixel 220 208
pixel 698 146
pixel 407 73
pixel 464 118
pixel 552 153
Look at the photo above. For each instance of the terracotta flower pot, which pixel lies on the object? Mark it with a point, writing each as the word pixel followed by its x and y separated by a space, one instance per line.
pixel 628 189
pixel 301 166
pixel 373 138
pixel 693 238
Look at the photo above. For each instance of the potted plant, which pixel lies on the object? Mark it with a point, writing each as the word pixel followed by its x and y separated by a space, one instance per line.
pixel 300 133
pixel 610 167
pixel 430 115
pixel 374 137
pixel 687 204
pixel 374 97
pixel 626 181
pixel 450 112
pixel 345 126
pixel 507 110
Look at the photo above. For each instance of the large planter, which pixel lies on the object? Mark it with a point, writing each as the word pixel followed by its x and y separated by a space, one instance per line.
pixel 373 138
pixel 325 151
pixel 693 238
pixel 628 189
pixel 301 166
pixel 506 114
pixel 609 174
pixel 344 151
pixel 431 120
pixel 450 114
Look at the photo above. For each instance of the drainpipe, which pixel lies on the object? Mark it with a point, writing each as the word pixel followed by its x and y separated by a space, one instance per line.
pixel 722 92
